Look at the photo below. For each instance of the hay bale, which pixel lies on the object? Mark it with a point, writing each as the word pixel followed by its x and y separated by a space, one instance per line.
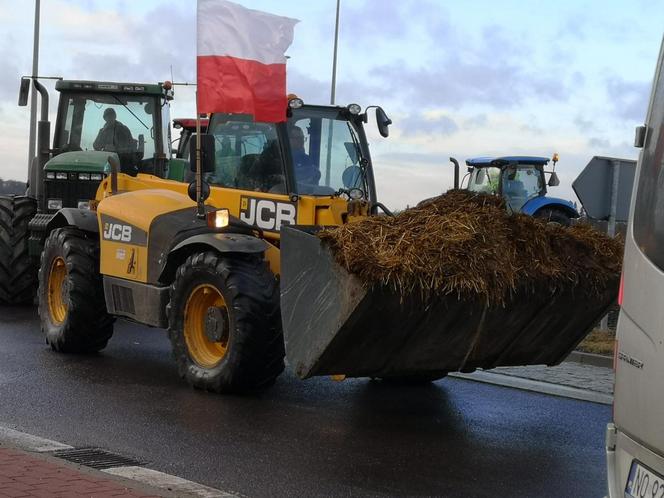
pixel 467 243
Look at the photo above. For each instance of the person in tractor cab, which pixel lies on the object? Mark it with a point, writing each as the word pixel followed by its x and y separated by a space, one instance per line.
pixel 116 137
pixel 305 169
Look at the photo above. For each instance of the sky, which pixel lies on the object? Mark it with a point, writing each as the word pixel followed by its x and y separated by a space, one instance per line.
pixel 459 79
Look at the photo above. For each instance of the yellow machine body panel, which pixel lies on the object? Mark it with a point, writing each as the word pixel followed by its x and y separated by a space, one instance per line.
pixel 124 224
pixel 151 196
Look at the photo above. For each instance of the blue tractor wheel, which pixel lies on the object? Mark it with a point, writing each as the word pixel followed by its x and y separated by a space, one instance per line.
pixel 554 216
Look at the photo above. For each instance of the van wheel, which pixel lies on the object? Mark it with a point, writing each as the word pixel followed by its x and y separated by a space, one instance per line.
pixel 72 308
pixel 225 324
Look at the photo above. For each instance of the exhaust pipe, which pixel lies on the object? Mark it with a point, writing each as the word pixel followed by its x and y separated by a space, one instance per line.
pixel 456 172
pixel 43 149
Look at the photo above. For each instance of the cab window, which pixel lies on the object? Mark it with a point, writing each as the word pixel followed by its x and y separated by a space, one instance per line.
pixel 649 207
pixel 247 155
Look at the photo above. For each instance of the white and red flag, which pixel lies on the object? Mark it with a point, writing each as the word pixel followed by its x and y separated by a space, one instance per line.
pixel 241 60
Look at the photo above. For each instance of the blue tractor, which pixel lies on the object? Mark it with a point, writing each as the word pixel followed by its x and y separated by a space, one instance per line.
pixel 521 181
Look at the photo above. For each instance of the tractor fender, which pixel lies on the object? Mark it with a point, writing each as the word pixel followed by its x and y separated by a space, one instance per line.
pixel 534 205
pixel 223 243
pixel 84 219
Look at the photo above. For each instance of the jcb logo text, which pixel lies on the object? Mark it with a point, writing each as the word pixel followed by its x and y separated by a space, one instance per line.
pixel 115 231
pixel 267 214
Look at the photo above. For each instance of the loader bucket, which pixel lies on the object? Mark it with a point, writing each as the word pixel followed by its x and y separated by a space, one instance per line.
pixel 334 325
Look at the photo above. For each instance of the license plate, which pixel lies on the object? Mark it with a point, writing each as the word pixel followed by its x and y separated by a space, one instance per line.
pixel 644 483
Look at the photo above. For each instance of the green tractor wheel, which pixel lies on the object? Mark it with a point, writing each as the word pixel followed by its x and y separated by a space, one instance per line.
pixel 18 271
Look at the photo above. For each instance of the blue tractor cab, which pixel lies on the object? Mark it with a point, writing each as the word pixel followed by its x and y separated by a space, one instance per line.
pixel 521 181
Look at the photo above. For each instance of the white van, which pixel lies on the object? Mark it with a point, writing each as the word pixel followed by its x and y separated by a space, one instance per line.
pixel 635 439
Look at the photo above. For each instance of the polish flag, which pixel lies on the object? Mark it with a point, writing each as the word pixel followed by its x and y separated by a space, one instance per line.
pixel 241 63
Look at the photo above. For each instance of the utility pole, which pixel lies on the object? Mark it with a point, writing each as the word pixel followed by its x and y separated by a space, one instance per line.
pixel 33 100
pixel 334 58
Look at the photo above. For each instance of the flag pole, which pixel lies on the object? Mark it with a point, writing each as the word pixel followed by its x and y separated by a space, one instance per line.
pixel 334 57
pixel 33 101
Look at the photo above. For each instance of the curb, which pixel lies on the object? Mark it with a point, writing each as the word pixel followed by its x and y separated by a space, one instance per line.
pixel 596 360
pixel 535 386
pixel 143 479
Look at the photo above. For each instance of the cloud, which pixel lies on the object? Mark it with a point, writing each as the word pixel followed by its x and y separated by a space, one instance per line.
pixel 583 124
pixel 420 124
pixel 493 70
pixel 9 83
pixel 629 99
pixel 599 143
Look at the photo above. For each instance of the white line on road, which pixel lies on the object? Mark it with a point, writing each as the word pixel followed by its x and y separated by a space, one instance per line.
pixel 29 442
pixel 165 481
pixel 536 386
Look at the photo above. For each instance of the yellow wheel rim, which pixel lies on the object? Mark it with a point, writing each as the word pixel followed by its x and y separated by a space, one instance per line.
pixel 203 301
pixel 57 302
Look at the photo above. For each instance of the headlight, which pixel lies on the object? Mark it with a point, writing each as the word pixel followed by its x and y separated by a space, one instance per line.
pixel 50 175
pixel 354 108
pixel 84 205
pixel 54 204
pixel 295 103
pixel 96 177
pixel 218 219
pixel 84 176
pixel 61 175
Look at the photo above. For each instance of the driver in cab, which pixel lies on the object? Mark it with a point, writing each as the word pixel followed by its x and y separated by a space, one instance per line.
pixel 114 136
pixel 305 169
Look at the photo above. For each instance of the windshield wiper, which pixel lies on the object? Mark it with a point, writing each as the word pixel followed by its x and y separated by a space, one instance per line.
pixel 360 156
pixel 132 112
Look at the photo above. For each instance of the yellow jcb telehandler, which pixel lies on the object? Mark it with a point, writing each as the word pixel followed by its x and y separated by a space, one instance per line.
pixel 231 266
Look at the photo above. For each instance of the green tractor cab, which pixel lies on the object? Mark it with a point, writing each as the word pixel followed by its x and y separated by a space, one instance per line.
pixel 95 120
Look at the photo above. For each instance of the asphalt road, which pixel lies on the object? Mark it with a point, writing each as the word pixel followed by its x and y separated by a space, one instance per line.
pixel 318 437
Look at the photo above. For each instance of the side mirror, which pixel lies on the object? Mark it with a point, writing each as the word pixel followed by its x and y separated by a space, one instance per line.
pixel 23 92
pixel 554 181
pixel 205 191
pixel 383 122
pixel 207 153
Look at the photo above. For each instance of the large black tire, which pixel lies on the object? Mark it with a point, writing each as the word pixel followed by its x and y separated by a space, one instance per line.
pixel 248 354
pixel 18 271
pixel 554 216
pixel 84 325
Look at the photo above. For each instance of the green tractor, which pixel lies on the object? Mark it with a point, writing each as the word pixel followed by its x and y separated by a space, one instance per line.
pixel 93 119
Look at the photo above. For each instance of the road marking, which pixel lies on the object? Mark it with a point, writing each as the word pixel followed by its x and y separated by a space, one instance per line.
pixel 30 442
pixel 165 481
pixel 536 386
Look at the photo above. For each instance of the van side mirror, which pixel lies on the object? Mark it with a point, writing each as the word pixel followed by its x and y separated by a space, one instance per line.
pixel 23 92
pixel 207 153
pixel 383 122
pixel 554 181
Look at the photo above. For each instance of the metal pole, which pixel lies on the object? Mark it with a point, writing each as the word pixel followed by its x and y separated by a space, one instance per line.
pixel 334 58
pixel 33 100
pixel 611 229
pixel 613 209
